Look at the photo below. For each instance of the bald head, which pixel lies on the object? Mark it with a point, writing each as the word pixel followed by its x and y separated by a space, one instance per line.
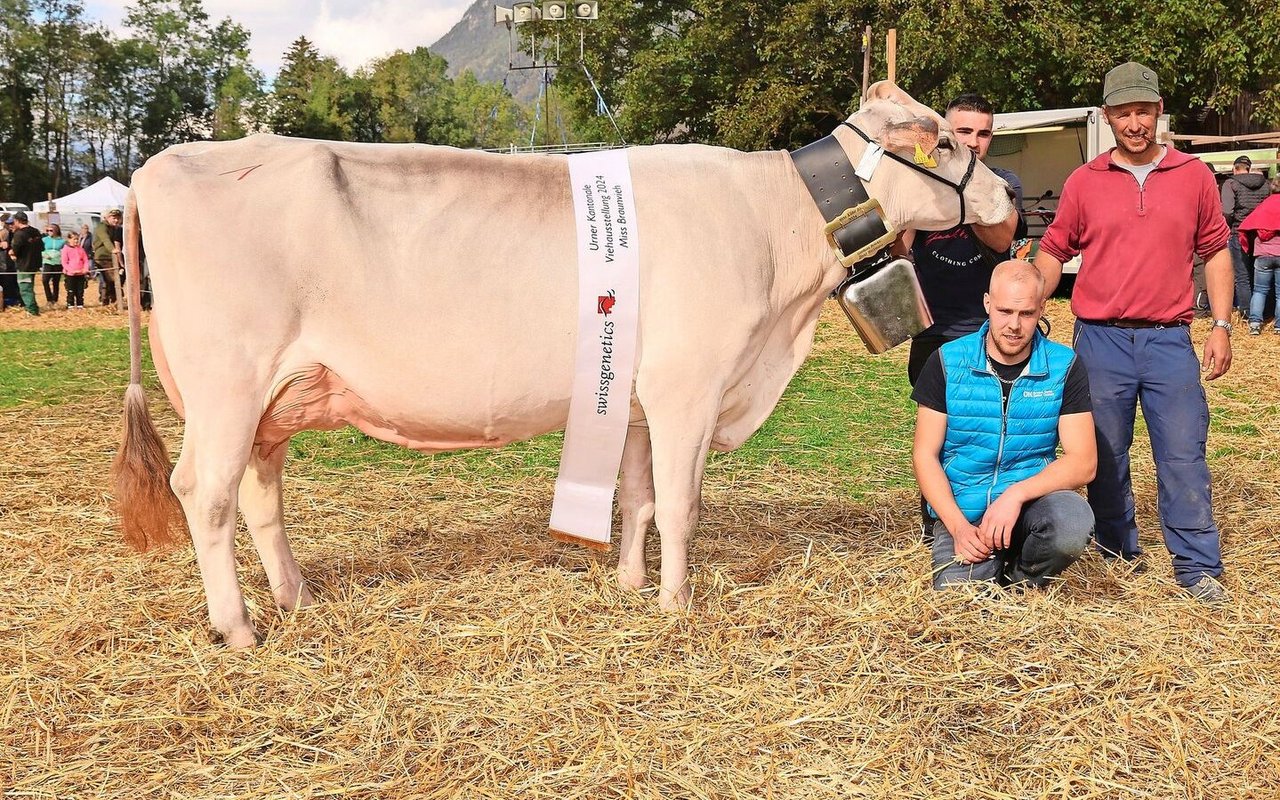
pixel 1014 306
pixel 1016 271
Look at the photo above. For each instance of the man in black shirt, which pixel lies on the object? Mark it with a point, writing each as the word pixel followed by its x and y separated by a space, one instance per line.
pixel 993 407
pixel 25 248
pixel 954 266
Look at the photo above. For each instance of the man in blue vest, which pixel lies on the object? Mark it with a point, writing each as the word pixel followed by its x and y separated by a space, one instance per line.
pixel 993 407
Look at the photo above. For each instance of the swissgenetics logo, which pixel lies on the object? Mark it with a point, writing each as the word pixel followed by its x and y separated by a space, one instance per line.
pixel 604 303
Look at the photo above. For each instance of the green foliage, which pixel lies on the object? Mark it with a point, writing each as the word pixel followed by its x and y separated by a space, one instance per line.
pixel 755 75
pixel 307 95
pixel 415 99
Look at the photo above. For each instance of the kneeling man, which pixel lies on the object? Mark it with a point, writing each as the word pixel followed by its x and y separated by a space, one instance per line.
pixel 993 407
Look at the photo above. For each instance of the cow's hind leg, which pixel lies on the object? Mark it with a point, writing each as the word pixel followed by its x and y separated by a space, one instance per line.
pixel 215 451
pixel 635 499
pixel 262 503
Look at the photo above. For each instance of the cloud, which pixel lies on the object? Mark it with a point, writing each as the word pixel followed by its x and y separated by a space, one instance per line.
pixel 351 31
pixel 355 33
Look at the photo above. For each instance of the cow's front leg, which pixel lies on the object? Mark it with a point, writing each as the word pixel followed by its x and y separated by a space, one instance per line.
pixel 680 447
pixel 215 451
pixel 635 499
pixel 262 503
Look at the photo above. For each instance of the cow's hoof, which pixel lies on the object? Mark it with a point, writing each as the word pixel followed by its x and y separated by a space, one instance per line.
pixel 631 578
pixel 675 601
pixel 294 598
pixel 239 639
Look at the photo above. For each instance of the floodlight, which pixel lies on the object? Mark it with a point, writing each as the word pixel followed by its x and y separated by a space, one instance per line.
pixel 501 15
pixel 555 10
pixel 526 12
pixel 587 9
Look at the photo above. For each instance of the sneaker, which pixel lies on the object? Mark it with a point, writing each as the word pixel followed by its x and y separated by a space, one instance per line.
pixel 1207 590
pixel 1255 328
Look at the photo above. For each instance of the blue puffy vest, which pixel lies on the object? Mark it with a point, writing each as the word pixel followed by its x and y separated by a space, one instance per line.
pixel 988 449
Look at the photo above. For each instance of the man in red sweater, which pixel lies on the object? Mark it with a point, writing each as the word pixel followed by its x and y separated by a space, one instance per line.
pixel 1138 214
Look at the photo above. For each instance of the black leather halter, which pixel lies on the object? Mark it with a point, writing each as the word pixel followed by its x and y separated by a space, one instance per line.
pixel 959 187
pixel 855 227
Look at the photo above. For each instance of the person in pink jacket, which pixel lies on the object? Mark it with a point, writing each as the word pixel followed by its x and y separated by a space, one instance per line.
pixel 1260 235
pixel 75 268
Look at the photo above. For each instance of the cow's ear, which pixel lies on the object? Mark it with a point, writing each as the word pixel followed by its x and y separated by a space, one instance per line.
pixel 906 137
pixel 887 90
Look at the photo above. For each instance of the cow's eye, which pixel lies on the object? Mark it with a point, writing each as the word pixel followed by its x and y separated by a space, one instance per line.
pixel 945 144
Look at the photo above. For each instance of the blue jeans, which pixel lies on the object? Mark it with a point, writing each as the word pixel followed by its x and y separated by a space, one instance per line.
pixel 1264 279
pixel 1051 533
pixel 1159 367
pixel 1241 271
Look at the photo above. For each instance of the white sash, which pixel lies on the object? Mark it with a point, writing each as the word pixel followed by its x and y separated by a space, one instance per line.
pixel 608 309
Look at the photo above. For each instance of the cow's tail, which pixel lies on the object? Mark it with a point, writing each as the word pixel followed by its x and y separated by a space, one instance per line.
pixel 150 514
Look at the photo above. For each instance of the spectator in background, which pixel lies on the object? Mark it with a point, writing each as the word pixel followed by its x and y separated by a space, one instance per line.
pixel 51 263
pixel 8 278
pixel 107 238
pixel 26 248
pixel 86 243
pixel 75 265
pixel 1241 194
pixel 1260 235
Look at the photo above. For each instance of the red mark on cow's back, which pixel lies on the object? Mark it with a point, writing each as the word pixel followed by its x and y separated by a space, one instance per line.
pixel 242 170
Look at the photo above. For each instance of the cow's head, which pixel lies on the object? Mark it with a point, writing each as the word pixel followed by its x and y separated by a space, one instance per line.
pixel 911 198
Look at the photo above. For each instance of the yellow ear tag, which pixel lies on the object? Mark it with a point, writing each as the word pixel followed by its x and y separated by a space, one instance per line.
pixel 923 158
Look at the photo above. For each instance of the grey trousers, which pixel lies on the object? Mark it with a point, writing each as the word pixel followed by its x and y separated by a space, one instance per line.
pixel 1050 534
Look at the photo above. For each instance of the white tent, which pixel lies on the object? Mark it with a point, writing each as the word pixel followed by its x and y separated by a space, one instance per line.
pixel 106 193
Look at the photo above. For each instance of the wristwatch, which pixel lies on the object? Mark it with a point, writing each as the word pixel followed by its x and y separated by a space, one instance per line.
pixel 1222 323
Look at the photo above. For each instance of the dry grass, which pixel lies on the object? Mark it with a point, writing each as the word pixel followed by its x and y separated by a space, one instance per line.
pixel 456 652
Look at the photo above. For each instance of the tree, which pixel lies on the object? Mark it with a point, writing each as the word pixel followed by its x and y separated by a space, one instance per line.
pixel 751 74
pixel 59 59
pixel 489 114
pixel 306 96
pixel 20 170
pixel 416 99
pixel 238 107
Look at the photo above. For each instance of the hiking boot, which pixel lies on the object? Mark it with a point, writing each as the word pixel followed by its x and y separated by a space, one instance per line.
pixel 1207 590
pixel 1255 328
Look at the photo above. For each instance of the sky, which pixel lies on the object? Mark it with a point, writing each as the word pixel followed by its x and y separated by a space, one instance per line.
pixel 354 32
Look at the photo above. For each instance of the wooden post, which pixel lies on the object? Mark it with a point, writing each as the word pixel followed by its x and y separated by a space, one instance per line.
pixel 891 54
pixel 866 61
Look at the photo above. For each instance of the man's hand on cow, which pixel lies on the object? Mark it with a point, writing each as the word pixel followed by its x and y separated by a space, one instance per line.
pixel 996 527
pixel 970 548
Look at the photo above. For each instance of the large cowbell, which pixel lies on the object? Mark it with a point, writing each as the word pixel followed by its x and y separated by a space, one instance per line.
pixel 885 304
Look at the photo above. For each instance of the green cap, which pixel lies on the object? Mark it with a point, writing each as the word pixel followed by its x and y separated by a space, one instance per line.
pixel 1130 83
